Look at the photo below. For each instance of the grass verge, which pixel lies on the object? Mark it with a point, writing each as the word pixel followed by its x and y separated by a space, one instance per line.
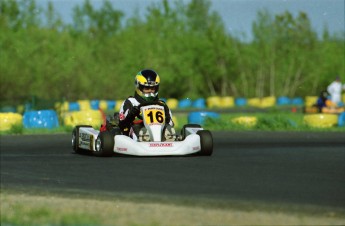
pixel 19 208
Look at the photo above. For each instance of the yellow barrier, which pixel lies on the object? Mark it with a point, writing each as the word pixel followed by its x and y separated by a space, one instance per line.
pixel 90 117
pixel 84 105
pixel 310 100
pixel 269 101
pixel 321 120
pixel 62 107
pixel 118 105
pixel 213 102
pixel 172 103
pixel 343 98
pixel 7 120
pixel 227 102
pixel 103 105
pixel 254 102
pixel 245 120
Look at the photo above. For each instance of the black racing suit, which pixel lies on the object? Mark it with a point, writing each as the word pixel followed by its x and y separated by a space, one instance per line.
pixel 129 111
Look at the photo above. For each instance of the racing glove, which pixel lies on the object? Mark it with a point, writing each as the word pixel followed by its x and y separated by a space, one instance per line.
pixel 135 111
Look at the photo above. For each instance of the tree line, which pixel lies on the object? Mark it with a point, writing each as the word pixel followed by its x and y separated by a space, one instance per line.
pixel 98 54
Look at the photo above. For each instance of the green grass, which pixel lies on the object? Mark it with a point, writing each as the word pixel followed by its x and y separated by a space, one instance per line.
pixel 19 208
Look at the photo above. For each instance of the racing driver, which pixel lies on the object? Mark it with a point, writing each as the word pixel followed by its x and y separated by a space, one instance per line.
pixel 146 90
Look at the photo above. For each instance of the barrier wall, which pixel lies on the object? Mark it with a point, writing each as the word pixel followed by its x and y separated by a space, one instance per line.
pixel 40 119
pixel 86 111
pixel 199 117
pixel 93 118
pixel 7 120
pixel 321 120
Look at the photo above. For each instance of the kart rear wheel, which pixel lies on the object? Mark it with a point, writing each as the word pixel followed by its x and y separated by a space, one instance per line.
pixel 104 144
pixel 206 142
pixel 75 139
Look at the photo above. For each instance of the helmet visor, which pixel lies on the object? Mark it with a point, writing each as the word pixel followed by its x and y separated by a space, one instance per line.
pixel 145 89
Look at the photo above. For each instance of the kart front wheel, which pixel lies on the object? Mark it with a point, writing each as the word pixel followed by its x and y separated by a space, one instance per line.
pixel 104 144
pixel 206 142
pixel 75 139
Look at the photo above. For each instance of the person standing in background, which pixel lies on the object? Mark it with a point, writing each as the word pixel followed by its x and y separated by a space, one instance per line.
pixel 334 89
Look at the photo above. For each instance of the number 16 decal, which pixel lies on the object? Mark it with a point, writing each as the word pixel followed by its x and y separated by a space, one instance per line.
pixel 154 116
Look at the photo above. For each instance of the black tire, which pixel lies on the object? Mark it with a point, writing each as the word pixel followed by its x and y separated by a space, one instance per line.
pixel 183 131
pixel 206 142
pixel 105 144
pixel 75 139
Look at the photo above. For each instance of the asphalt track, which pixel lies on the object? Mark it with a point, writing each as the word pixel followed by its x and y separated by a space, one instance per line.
pixel 278 167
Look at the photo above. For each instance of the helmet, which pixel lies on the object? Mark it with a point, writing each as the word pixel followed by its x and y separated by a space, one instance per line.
pixel 147 78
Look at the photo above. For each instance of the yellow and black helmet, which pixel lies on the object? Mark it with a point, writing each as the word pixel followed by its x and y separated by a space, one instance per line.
pixel 147 78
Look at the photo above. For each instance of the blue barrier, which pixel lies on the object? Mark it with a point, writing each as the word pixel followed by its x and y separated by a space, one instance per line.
pixel 341 119
pixel 73 106
pixel 297 101
pixel 94 104
pixel 185 103
pixel 200 117
pixel 111 104
pixel 40 119
pixel 283 100
pixel 240 101
pixel 199 103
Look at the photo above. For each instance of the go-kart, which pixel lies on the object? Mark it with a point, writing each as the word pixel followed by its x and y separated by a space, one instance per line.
pixel 193 139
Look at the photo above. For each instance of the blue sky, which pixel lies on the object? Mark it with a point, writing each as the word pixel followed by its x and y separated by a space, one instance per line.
pixel 237 15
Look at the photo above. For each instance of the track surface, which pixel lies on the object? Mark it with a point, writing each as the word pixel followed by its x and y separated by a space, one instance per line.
pixel 277 167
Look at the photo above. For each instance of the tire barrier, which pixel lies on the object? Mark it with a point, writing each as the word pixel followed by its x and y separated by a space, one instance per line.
pixel 245 121
pixel 321 120
pixel 94 104
pixel 341 119
pixel 283 100
pixel 111 105
pixel 310 100
pixel 269 101
pixel 185 103
pixel 7 120
pixel 40 119
pixel 73 106
pixel 84 105
pixel 240 101
pixel 118 104
pixel 213 102
pixel 254 102
pixel 200 117
pixel 172 103
pixel 103 105
pixel 297 101
pixel 227 102
pixel 90 117
pixel 199 103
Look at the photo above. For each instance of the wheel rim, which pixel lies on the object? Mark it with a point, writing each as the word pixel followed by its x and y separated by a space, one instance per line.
pixel 98 144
